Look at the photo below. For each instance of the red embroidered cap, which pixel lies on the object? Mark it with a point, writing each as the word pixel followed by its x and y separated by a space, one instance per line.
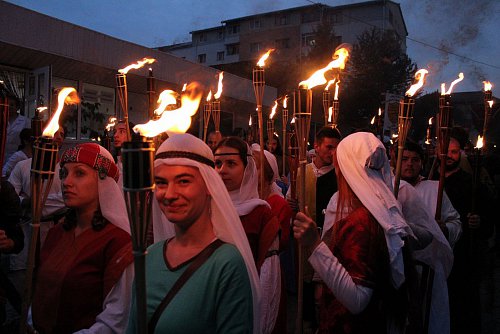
pixel 94 156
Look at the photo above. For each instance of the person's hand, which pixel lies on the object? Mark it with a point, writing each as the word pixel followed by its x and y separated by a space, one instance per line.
pixel 6 244
pixel 474 221
pixel 284 179
pixel 294 205
pixel 306 231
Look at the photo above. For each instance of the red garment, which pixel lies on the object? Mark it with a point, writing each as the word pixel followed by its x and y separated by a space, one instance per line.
pixel 359 244
pixel 76 275
pixel 261 227
pixel 282 211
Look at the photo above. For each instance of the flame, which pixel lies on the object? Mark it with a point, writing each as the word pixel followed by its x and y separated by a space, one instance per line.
pixel 372 121
pixel 62 98
pixel 443 86
pixel 380 111
pixel 490 103
pixel 174 121
pixel 184 87
pixel 419 75
pixel 285 100
pixel 139 64
pixel 273 110
pixel 292 121
pixel 329 84
pixel 111 123
pixel 209 96
pixel 336 95
pixel 479 143
pixel 41 109
pixel 219 86
pixel 487 86
pixel 166 98
pixel 98 138
pixel 330 114
pixel 250 121
pixel 262 60
pixel 394 135
pixel 318 78
pixel 430 121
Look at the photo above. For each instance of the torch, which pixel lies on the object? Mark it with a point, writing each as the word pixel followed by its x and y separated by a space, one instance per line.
pixel 259 82
pixel 488 105
pixel 270 122
pixel 326 101
pixel 107 132
pixel 121 88
pixel 444 124
pixel 380 125
pixel 284 121
pixel 207 110
pixel 43 167
pixel 4 116
pixel 333 112
pixel 151 91
pixel 216 106
pixel 405 117
pixel 138 180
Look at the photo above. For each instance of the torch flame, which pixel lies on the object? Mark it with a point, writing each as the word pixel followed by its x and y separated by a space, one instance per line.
pixel 430 121
pixel 209 96
pixel 490 103
pixel 380 111
pixel 329 84
pixel 487 86
pixel 273 110
pixel 336 95
pixel 219 86
pixel 166 98
pixel 479 143
pixel 443 86
pixel 184 87
pixel 372 121
pixel 285 100
pixel 41 109
pixel 250 121
pixel 111 123
pixel 62 98
pixel 292 121
pixel 330 114
pixel 174 121
pixel 139 64
pixel 419 75
pixel 318 77
pixel 262 60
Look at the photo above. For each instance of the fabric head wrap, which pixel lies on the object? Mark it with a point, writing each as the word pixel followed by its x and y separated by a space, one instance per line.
pixel 363 163
pixel 187 150
pixel 111 200
pixel 271 159
pixel 246 197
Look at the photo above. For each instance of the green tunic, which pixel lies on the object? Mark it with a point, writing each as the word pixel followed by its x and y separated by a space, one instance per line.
pixel 216 299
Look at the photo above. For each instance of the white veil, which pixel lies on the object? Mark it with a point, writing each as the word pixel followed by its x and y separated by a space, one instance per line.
pixel 225 219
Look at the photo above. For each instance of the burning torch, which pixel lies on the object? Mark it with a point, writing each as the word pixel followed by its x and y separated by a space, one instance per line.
pixel 108 131
pixel 284 121
pixel 444 124
pixel 216 106
pixel 151 90
pixel 333 111
pixel 488 105
pixel 405 117
pixel 326 101
pixel 138 179
pixel 207 111
pixel 121 88
pixel 43 167
pixel 259 82
pixel 270 122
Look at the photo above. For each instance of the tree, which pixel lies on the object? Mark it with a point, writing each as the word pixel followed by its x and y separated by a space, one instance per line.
pixel 377 65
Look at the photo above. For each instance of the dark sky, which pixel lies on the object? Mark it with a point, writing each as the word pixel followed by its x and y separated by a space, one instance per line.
pixel 467 30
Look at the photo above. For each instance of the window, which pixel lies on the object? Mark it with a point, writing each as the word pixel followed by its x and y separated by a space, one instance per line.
pixel 308 40
pixel 312 16
pixel 336 18
pixel 256 24
pixel 202 37
pixel 202 58
pixel 283 43
pixel 220 35
pixel 255 47
pixel 232 49
pixel 220 55
pixel 281 20
pixel 234 29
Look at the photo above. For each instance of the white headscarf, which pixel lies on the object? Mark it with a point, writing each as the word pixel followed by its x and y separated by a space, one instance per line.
pixel 271 159
pixel 246 197
pixel 187 150
pixel 111 201
pixel 363 163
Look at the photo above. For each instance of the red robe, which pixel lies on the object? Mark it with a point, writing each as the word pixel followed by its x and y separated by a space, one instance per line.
pixel 76 275
pixel 359 244
pixel 282 211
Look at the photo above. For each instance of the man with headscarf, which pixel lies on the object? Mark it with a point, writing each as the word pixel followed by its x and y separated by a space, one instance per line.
pixel 192 211
pixel 349 260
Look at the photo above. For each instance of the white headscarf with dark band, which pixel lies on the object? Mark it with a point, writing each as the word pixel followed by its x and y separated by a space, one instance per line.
pixel 363 163
pixel 111 201
pixel 271 159
pixel 246 197
pixel 187 150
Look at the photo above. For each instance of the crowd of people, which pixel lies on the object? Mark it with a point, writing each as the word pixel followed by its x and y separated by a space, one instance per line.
pixel 223 254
